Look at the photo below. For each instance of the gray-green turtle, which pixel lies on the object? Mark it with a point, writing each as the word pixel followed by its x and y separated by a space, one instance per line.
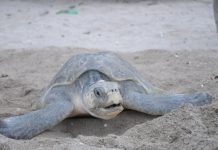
pixel 98 84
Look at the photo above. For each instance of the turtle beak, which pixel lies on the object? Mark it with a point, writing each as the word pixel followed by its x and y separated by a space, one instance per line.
pixel 114 95
pixel 114 101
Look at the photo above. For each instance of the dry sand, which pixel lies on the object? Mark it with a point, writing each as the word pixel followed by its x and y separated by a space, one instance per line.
pixel 23 74
pixel 117 25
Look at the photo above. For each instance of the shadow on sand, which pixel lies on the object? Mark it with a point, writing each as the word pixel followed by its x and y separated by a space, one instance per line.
pixel 89 126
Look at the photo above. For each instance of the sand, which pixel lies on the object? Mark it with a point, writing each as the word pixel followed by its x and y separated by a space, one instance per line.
pixel 24 73
pixel 116 25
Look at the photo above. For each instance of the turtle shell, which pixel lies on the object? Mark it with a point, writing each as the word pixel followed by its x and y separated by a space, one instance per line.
pixel 107 63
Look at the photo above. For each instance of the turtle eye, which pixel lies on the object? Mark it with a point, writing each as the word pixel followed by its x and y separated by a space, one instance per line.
pixel 99 92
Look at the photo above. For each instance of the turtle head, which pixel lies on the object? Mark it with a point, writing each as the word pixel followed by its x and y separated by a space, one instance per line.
pixel 103 99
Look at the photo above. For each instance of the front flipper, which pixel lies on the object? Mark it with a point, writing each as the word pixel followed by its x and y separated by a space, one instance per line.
pixel 29 125
pixel 159 105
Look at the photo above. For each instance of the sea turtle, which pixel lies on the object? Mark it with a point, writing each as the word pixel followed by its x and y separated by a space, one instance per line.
pixel 98 84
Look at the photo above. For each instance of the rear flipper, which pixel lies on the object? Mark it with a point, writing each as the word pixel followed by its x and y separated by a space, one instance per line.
pixel 29 125
pixel 159 105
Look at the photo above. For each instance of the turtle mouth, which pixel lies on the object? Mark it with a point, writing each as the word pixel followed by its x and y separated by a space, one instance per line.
pixel 113 106
pixel 111 111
